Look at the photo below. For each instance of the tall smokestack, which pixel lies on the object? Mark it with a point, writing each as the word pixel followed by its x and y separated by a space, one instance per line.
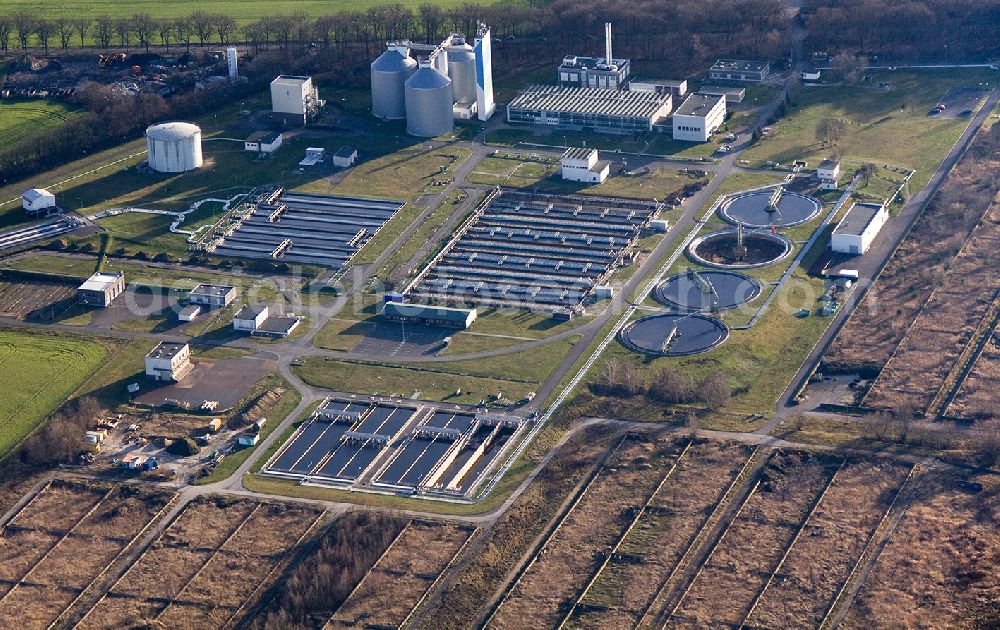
pixel 608 59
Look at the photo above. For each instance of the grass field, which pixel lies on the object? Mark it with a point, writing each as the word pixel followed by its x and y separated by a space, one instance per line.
pixel 21 119
pixel 38 373
pixel 243 11
pixel 883 126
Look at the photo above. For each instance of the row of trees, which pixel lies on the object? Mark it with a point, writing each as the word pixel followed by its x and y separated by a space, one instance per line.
pixel 677 32
pixel 622 379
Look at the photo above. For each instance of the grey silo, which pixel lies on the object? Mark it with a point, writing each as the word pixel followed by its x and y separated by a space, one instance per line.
pixel 429 103
pixel 389 74
pixel 462 71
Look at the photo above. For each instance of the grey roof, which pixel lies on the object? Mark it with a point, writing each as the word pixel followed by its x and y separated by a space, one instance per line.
pixel 215 290
pixel 250 311
pixel 664 82
pixel 578 153
pixel 291 79
pixel 857 219
pixel 715 90
pixel 278 325
pixel 427 79
pixel 190 310
pixel 591 63
pixel 345 152
pixel 828 163
pixel 461 52
pixel 590 101
pixel 401 309
pixel 172 131
pixel 698 104
pixel 100 281
pixel 393 61
pixel 34 194
pixel 166 350
pixel 740 65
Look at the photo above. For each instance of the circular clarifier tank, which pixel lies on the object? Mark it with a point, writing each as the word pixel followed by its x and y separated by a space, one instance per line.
pixel 674 335
pixel 707 290
pixel 724 250
pixel 769 208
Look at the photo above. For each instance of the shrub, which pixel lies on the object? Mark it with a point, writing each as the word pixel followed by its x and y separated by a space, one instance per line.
pixel 183 447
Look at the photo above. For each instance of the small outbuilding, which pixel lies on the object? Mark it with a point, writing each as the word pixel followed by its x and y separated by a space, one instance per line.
pixel 583 165
pixel 314 155
pixel 169 361
pixel 263 143
pixel 345 156
pixel 277 327
pixel 250 317
pixel 828 173
pixel 431 315
pixel 859 227
pixel 189 312
pixel 101 289
pixel 212 295
pixel 38 200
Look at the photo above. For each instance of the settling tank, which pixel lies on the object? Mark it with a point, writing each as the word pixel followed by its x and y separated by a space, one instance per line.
pixel 429 102
pixel 389 74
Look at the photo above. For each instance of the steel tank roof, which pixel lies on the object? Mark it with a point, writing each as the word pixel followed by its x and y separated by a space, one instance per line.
pixel 172 131
pixel 393 61
pixel 427 79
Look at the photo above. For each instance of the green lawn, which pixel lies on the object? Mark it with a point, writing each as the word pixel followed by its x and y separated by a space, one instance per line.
pixel 38 373
pixel 20 120
pixel 883 126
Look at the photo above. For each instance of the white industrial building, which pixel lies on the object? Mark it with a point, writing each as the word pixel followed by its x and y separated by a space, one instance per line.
pixel 739 70
pixel 446 81
pixel 828 173
pixel 345 156
pixel 583 165
pixel 174 147
pixel 733 94
pixel 38 200
pixel 698 117
pixel 675 87
pixel 610 111
pixel 101 289
pixel 859 227
pixel 169 361
pixel 262 142
pixel 250 317
pixel 294 99
pixel 595 72
pixel 212 295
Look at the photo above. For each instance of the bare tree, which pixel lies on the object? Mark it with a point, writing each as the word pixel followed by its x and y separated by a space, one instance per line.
pixel 82 26
pixel 225 26
pixel 105 30
pixel 183 31
pixel 431 18
pixel 24 25
pixel 165 28
pixel 124 29
pixel 323 28
pixel 64 28
pixel 866 171
pixel 44 30
pixel 201 25
pixel 144 28
pixel 829 131
pixel 670 386
pixel 714 390
pixel 6 24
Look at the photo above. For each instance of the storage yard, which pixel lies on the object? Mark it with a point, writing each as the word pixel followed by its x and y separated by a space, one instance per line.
pixel 310 229
pixel 32 300
pixel 526 250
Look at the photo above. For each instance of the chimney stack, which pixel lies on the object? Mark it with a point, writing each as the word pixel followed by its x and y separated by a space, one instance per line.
pixel 608 59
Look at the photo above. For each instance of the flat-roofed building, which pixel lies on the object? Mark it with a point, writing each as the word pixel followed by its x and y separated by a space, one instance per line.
pixel 345 156
pixel 294 99
pixel 739 70
pixel 250 317
pixel 828 173
pixel 593 72
pixel 676 88
pixel 427 314
pixel 859 227
pixel 263 142
pixel 583 165
pixel 698 117
pixel 101 289
pixel 276 326
pixel 212 295
pixel 189 312
pixel 599 110
pixel 733 93
pixel 38 200
pixel 169 361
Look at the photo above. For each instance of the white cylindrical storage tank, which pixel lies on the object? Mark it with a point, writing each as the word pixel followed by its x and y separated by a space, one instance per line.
pixel 429 103
pixel 174 147
pixel 389 74
pixel 462 71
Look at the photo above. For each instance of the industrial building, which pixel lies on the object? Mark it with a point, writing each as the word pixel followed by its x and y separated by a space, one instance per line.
pixel 739 70
pixel 859 227
pixel 212 295
pixel 599 110
pixel 733 93
pixel 263 142
pixel 101 289
pixel 37 201
pixel 345 156
pixel 676 88
pixel 430 315
pixel 294 100
pixel 532 250
pixel 189 312
pixel 446 81
pixel 250 317
pixel 828 173
pixel 698 117
pixel 583 165
pixel 174 147
pixel 595 72
pixel 169 361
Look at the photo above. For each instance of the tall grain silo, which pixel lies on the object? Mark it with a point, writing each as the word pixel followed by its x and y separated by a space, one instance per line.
pixel 462 71
pixel 174 147
pixel 389 74
pixel 429 102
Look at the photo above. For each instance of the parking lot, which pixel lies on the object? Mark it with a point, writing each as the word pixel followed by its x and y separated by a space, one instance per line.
pixel 960 102
pixel 309 229
pixel 521 250
pixel 225 381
